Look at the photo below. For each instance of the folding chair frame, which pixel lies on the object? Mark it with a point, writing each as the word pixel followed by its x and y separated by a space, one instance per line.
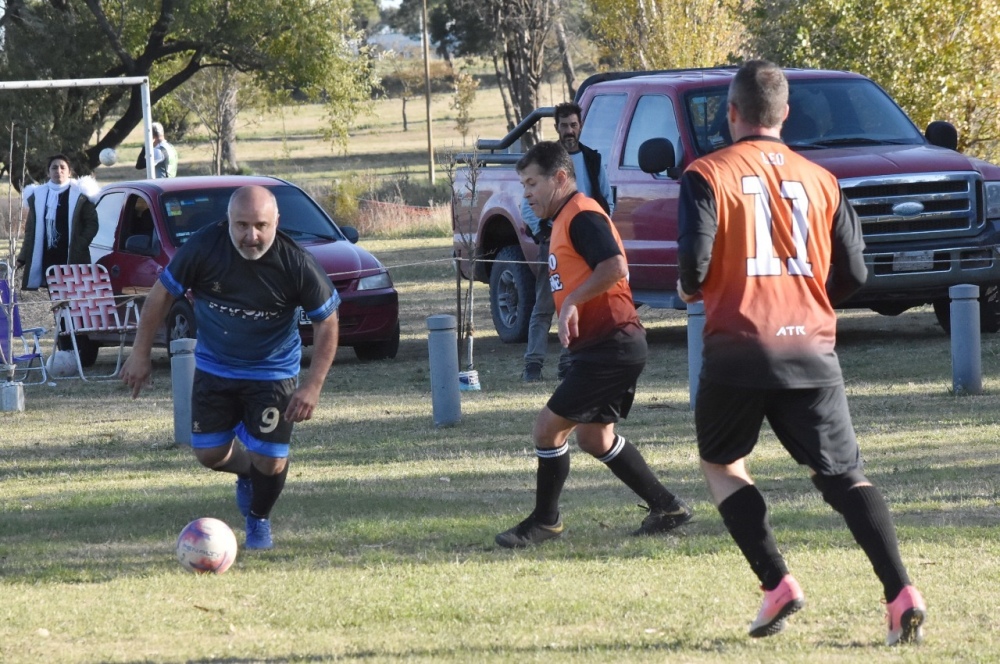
pixel 10 328
pixel 83 301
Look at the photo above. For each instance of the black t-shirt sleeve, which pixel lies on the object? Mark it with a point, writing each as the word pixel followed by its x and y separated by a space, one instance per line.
pixel 847 263
pixel 319 297
pixel 697 226
pixel 591 236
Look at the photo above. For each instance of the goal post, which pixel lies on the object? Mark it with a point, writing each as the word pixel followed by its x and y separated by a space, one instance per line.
pixel 7 364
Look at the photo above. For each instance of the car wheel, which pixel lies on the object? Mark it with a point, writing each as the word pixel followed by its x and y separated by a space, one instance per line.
pixel 379 350
pixel 180 322
pixel 512 295
pixel 989 311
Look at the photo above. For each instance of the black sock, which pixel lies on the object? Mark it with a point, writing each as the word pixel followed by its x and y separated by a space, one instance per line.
pixel 869 520
pixel 626 462
pixel 553 469
pixel 266 489
pixel 745 516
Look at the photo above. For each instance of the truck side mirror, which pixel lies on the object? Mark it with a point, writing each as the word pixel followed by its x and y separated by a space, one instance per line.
pixel 656 156
pixel 942 134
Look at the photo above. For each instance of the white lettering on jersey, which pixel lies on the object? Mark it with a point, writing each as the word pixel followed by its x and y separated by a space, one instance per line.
pixel 791 331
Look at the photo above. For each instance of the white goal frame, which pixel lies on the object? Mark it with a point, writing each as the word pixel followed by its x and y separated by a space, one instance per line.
pixel 143 82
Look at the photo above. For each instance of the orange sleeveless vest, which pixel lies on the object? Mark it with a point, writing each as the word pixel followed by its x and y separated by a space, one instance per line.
pixel 609 311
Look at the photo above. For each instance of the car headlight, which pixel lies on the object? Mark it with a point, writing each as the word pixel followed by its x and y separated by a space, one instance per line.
pixel 375 281
pixel 992 200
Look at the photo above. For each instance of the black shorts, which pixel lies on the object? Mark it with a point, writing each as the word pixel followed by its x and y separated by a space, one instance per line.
pixel 596 392
pixel 813 424
pixel 253 410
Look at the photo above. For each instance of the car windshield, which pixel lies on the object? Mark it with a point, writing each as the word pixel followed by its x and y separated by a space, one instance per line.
pixel 822 114
pixel 298 215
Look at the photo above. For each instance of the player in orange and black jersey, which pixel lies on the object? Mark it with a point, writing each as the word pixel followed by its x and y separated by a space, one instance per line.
pixel 768 241
pixel 607 351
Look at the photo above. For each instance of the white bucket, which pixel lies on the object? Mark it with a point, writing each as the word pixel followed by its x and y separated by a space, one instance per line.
pixel 468 381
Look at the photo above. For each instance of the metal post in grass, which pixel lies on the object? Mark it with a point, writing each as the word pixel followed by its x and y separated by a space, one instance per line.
pixel 11 397
pixel 182 384
pixel 695 327
pixel 442 346
pixel 966 354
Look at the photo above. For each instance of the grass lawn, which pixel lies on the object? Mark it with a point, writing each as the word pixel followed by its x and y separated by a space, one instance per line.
pixel 384 535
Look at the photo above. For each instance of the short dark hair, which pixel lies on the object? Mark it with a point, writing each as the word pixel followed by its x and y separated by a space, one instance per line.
pixel 48 164
pixel 550 156
pixel 759 92
pixel 566 109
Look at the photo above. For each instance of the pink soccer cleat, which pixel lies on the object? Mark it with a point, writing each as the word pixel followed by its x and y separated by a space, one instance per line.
pixel 779 603
pixel 906 616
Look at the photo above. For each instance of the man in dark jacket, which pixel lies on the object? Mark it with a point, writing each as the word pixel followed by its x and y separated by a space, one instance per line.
pixel 592 180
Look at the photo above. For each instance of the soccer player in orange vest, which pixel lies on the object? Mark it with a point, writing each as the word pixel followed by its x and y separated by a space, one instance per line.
pixel 598 323
pixel 770 244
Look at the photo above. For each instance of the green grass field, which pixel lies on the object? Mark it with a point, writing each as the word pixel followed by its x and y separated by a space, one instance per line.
pixel 384 535
pixel 385 531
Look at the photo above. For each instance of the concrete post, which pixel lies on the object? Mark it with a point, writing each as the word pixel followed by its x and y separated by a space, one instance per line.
pixel 442 346
pixel 182 384
pixel 966 354
pixel 695 327
pixel 11 397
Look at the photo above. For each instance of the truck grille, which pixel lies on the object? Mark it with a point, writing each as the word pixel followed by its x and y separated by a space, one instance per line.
pixel 938 203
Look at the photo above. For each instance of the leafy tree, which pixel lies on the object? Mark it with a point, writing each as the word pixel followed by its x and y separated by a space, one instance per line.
pixel 466 86
pixel 667 34
pixel 308 45
pixel 937 58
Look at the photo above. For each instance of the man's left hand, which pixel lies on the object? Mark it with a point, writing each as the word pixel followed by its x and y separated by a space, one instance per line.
pixel 688 297
pixel 302 404
pixel 569 324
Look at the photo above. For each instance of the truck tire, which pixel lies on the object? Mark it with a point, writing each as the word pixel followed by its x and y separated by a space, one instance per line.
pixel 378 350
pixel 512 295
pixel 989 311
pixel 180 322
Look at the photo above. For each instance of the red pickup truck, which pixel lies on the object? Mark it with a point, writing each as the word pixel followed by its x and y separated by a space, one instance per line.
pixel 930 215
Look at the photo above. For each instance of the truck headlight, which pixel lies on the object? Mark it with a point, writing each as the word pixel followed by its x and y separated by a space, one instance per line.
pixel 381 280
pixel 992 200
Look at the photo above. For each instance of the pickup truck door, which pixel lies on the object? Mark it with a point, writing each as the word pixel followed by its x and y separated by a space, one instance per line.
pixel 646 209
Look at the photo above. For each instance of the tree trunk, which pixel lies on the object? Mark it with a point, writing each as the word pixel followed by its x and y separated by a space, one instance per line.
pixel 405 125
pixel 230 109
pixel 567 58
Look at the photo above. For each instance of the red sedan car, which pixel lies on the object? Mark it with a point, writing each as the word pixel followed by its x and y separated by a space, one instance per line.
pixel 143 222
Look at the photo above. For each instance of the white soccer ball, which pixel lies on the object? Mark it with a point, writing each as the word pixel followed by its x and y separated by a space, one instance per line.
pixel 61 364
pixel 108 156
pixel 206 546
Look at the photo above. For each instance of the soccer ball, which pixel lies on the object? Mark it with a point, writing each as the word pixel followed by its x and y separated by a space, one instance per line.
pixel 108 156
pixel 61 364
pixel 206 546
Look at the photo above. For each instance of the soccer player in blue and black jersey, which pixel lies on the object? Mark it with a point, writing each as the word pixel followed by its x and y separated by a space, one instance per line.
pixel 248 281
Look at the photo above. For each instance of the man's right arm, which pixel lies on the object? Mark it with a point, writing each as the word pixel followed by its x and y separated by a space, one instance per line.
pixel 138 367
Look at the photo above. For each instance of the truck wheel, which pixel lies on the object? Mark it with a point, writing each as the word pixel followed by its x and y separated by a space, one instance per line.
pixel 180 322
pixel 989 311
pixel 512 295
pixel 378 350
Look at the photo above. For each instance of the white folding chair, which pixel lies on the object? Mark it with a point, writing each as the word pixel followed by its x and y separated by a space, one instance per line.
pixel 83 301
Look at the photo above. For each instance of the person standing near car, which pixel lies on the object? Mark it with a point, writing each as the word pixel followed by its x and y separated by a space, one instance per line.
pixel 248 281
pixel 769 242
pixel 592 181
pixel 60 222
pixel 598 323
pixel 164 154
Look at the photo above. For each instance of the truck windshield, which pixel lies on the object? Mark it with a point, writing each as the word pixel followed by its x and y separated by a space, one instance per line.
pixel 298 215
pixel 822 114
